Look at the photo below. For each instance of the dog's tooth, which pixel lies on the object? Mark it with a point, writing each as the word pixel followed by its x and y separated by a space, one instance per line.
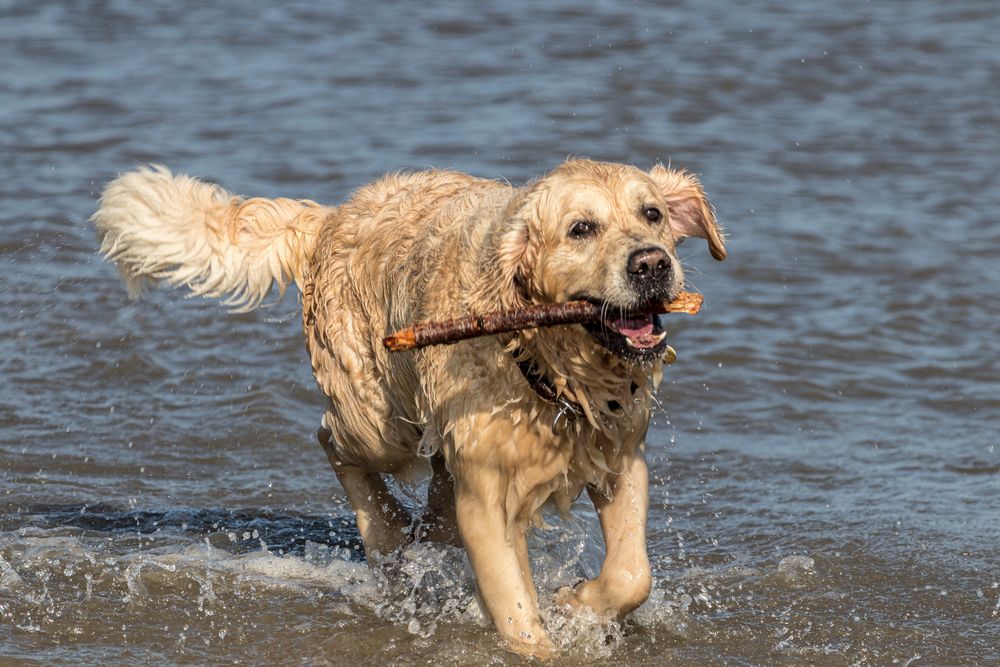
pixel 629 342
pixel 669 355
pixel 660 336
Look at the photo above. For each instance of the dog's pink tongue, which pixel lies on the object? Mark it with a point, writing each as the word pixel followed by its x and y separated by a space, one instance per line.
pixel 640 332
pixel 634 328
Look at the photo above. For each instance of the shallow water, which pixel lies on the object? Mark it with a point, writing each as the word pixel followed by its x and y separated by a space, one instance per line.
pixel 826 461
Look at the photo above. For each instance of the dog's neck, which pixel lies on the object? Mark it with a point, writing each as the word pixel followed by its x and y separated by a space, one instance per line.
pixel 568 366
pixel 568 410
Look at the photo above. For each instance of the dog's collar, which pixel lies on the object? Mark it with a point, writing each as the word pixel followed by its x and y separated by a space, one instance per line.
pixel 569 411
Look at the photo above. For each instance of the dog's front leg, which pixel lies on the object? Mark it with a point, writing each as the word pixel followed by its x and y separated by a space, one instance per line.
pixel 499 559
pixel 625 578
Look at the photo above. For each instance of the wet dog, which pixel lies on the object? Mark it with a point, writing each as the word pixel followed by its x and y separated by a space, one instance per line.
pixel 505 423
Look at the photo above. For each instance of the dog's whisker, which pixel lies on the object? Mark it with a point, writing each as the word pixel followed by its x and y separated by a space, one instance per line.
pixel 605 309
pixel 690 286
pixel 693 269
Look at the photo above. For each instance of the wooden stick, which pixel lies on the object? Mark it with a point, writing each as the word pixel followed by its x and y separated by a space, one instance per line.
pixel 545 315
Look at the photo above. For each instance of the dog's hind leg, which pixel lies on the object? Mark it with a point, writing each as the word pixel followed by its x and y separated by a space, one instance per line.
pixel 384 524
pixel 625 578
pixel 439 523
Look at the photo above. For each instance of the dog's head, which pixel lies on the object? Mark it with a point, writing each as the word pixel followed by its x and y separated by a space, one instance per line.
pixel 607 233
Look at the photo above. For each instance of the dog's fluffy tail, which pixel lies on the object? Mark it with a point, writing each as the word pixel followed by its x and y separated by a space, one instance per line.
pixel 159 227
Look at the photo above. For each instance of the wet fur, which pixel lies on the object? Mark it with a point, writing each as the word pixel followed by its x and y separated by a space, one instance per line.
pixel 435 245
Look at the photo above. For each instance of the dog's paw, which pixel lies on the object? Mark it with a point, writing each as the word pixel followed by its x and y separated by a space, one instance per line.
pixel 567 595
pixel 542 651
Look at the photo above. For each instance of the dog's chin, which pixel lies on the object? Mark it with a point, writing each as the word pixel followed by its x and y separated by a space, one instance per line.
pixel 633 335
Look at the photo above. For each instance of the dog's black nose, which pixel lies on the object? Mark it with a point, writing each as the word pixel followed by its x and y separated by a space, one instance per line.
pixel 648 265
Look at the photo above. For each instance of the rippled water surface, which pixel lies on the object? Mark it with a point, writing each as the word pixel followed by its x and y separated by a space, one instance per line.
pixel 826 461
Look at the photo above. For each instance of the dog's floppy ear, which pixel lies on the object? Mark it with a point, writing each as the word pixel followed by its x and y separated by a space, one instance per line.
pixel 506 257
pixel 513 255
pixel 690 212
pixel 513 250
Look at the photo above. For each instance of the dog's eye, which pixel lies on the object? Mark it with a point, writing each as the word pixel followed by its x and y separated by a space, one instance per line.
pixel 652 214
pixel 582 229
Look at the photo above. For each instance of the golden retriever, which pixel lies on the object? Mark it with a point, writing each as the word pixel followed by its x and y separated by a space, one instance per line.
pixel 436 245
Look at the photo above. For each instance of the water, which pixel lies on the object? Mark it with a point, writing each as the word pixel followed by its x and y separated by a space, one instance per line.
pixel 826 462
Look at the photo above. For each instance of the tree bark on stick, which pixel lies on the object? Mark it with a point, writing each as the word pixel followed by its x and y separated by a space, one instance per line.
pixel 544 315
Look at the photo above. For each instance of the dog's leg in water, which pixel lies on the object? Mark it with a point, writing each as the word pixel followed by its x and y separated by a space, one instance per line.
pixel 382 521
pixel 625 579
pixel 438 523
pixel 499 559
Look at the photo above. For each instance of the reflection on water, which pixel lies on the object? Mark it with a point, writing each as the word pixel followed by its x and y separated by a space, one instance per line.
pixel 825 467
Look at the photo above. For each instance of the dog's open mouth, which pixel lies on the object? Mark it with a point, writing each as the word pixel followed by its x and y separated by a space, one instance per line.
pixel 634 335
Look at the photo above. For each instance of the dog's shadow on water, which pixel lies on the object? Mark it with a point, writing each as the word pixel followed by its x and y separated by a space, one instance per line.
pixel 238 531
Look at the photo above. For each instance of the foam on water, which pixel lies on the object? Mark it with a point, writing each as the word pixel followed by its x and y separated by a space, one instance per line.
pixel 52 577
pixel 47 571
pixel 223 583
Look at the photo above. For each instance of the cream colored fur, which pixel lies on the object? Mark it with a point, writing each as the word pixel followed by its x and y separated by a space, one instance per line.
pixel 435 245
pixel 156 226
